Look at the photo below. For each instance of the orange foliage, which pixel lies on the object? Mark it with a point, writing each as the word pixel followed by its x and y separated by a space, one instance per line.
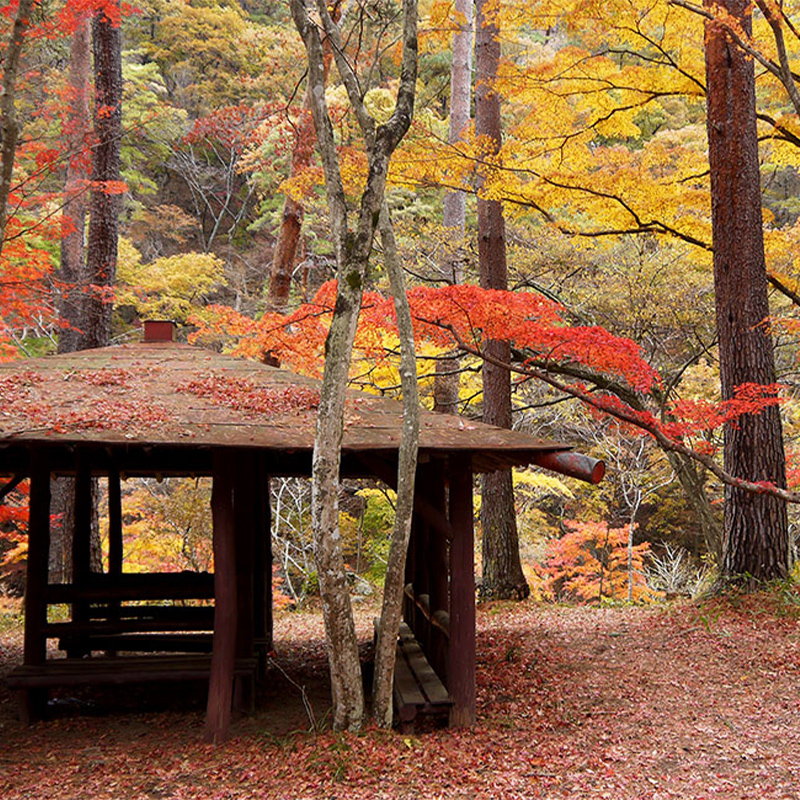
pixel 590 563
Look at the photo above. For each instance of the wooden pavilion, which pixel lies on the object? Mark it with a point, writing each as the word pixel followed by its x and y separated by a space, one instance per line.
pixel 164 409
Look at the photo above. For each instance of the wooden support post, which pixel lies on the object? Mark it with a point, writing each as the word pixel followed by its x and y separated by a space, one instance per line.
pixel 262 569
pixel 461 654
pixel 422 563
pixel 35 643
pixel 439 588
pixel 115 548
pixel 81 542
pixel 244 499
pixel 223 655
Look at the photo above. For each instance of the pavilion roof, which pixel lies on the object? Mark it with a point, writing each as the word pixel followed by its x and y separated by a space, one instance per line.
pixel 164 393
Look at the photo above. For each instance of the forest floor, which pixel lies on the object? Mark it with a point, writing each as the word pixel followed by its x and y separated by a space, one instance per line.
pixel 684 701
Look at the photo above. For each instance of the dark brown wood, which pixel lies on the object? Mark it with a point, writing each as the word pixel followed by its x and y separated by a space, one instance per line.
pixel 136 586
pixel 115 544
pixel 119 670
pixel 115 548
pixel 262 568
pixel 461 654
pixel 144 642
pixel 244 498
pixel 82 531
pixel 38 551
pixel 55 630
pixel 35 642
pixel 417 687
pixel 436 494
pixel 755 535
pixel 220 688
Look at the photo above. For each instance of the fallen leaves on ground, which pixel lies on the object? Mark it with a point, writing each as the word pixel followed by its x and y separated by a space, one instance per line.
pixel 692 701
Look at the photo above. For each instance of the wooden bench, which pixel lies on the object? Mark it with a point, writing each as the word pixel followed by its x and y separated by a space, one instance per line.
pixel 32 682
pixel 139 642
pixel 417 688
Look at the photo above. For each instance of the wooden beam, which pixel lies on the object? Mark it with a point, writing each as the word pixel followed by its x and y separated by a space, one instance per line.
pixel 10 486
pixel 461 652
pixel 223 655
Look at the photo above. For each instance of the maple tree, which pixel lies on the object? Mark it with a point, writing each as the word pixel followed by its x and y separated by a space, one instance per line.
pixel 593 562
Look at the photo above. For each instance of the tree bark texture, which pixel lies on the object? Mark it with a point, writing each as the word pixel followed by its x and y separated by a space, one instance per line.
pixel 285 254
pixel 755 529
pixel 78 134
pixel 9 127
pixel 454 211
pixel 105 199
pixel 502 571
pixel 352 258
pixel 392 605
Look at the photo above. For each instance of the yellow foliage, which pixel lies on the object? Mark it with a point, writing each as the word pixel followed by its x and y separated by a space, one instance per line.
pixel 167 287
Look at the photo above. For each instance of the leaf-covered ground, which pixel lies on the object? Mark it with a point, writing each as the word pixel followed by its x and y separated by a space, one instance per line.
pixel 690 702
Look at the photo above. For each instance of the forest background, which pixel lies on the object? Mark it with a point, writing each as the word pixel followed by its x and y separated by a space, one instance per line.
pixel 604 180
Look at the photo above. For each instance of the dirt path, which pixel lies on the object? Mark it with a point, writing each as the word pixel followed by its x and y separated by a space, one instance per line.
pixel 690 702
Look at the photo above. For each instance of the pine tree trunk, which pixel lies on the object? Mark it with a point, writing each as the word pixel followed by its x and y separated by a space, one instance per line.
pixel 755 534
pixel 105 200
pixel 502 571
pixel 454 211
pixel 78 141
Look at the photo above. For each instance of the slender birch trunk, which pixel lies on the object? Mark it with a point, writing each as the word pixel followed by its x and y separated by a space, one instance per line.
pixel 392 605
pixel 353 250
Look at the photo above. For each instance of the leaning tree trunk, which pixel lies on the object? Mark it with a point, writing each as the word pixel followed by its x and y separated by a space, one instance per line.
pixel 105 200
pixel 391 607
pixel 502 571
pixel 755 535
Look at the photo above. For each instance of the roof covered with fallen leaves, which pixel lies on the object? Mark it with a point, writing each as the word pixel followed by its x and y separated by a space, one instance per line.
pixel 175 394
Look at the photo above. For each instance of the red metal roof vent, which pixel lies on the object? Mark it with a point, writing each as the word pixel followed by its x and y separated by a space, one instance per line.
pixel 159 330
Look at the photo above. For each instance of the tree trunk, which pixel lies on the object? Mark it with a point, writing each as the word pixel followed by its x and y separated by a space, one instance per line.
pixel 392 605
pixel 78 142
pixel 502 571
pixel 755 528
pixel 72 272
pixel 285 254
pixel 454 212
pixel 9 127
pixel 352 257
pixel 105 200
